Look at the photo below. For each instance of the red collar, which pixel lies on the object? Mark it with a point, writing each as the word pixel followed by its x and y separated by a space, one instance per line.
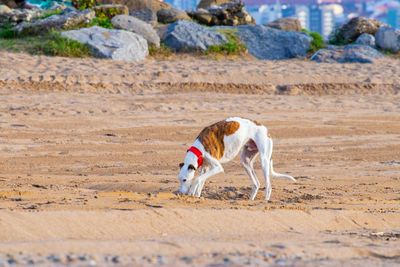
pixel 198 153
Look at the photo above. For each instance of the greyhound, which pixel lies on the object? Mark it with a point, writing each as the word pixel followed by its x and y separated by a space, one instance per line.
pixel 220 143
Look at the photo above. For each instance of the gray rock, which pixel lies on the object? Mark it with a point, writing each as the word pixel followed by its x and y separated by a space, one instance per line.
pixel 353 53
pixel 135 25
pixel 208 3
pixel 19 15
pixel 115 44
pixel 56 22
pixel 147 15
pixel 230 14
pixel 366 39
pixel 171 15
pixel 269 43
pixel 388 38
pixel 350 31
pixel 5 9
pixel 285 24
pixel 189 36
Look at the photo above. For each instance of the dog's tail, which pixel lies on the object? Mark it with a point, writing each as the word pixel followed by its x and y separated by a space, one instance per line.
pixel 279 175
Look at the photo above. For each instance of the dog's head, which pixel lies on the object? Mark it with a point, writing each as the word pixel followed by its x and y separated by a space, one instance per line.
pixel 186 174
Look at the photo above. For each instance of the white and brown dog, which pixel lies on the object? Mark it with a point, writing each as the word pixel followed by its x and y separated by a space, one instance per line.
pixel 220 143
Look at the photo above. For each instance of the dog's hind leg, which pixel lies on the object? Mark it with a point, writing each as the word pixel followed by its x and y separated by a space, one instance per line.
pixel 264 145
pixel 248 157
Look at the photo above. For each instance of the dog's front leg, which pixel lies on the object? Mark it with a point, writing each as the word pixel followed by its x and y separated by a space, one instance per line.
pixel 197 186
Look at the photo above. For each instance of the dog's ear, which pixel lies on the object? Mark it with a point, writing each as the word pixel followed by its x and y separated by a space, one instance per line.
pixel 191 167
pixel 181 165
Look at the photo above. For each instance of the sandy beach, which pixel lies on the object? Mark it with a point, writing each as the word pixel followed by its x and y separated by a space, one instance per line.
pixel 89 154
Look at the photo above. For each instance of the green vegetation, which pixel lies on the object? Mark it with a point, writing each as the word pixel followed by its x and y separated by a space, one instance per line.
pixel 107 12
pixel 336 38
pixel 317 42
pixel 51 44
pixel 160 52
pixel 49 14
pixel 233 47
pixel 102 21
pixel 83 4
pixel 7 32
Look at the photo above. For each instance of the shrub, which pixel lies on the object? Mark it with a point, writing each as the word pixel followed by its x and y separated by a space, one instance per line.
pixel 102 21
pixel 163 51
pixel 335 37
pixel 317 43
pixel 83 4
pixel 7 32
pixel 106 12
pixel 233 47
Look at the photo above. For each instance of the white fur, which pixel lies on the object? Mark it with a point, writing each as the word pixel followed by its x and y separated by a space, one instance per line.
pixel 241 139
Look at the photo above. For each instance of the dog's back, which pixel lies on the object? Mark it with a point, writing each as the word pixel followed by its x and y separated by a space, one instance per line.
pixel 224 140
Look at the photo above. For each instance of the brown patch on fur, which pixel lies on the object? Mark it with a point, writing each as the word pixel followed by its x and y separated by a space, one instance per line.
pixel 260 124
pixel 256 122
pixel 212 137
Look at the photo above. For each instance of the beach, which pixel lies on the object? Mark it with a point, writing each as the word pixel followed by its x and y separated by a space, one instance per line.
pixel 90 148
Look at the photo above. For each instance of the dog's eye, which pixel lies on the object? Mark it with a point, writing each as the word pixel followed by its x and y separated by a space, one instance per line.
pixel 191 167
pixel 181 165
pixel 184 180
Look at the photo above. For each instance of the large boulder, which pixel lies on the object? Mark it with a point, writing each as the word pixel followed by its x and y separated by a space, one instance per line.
pixel 11 3
pixel 285 24
pixel 230 14
pixel 208 3
pixel 154 5
pixel 366 39
pixel 269 43
pixel 19 15
pixel 352 53
pixel 146 15
pixel 189 36
pixel 5 9
pixel 135 25
pixel 56 22
pixel 170 15
pixel 350 31
pixel 388 38
pixel 115 44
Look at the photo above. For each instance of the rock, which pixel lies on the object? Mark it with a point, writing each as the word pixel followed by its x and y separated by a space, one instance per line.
pixel 54 6
pixel 189 36
pixel 388 38
pixel 350 31
pixel 11 3
pixel 171 15
pixel 285 24
pixel 56 22
pixel 19 15
pixel 269 43
pixel 208 3
pixel 154 5
pixel 111 10
pixel 5 9
pixel 147 15
pixel 162 31
pixel 230 14
pixel 115 44
pixel 366 39
pixel 352 53
pixel 135 25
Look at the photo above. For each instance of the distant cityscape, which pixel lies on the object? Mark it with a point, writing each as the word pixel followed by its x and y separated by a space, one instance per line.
pixel 315 15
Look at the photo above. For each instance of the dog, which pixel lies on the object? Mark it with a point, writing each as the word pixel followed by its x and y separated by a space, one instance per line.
pixel 220 143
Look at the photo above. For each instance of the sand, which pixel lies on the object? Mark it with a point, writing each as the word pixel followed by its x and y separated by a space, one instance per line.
pixel 89 154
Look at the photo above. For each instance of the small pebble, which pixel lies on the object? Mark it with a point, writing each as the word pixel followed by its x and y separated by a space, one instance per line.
pixel 115 259
pixel 92 262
